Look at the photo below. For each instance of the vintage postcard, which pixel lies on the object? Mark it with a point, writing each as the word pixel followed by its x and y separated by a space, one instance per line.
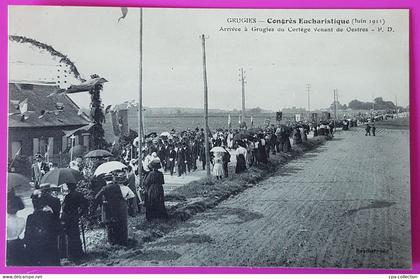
pixel 208 137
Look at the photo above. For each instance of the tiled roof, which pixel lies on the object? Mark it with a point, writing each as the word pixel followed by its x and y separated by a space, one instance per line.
pixel 39 100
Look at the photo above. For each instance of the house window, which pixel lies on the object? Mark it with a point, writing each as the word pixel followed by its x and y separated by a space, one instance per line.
pixel 16 148
pixel 64 143
pixel 75 141
pixel 35 146
pixel 50 146
pixel 43 146
pixel 86 141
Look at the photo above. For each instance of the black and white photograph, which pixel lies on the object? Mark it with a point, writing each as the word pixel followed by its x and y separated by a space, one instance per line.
pixel 179 137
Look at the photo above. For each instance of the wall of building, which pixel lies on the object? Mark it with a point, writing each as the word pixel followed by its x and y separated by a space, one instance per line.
pixel 24 137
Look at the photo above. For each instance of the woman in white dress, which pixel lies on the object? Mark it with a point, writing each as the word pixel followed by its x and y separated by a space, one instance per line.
pixel 218 166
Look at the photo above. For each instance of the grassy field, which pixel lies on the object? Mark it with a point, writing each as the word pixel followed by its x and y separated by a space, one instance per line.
pixel 164 123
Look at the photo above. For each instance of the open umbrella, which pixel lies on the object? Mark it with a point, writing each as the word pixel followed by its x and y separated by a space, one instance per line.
pixel 62 175
pixel 218 149
pixel 109 167
pixel 16 180
pixel 98 153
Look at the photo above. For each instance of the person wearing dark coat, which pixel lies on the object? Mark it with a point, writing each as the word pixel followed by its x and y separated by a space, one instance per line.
pixel 74 206
pixel 172 156
pixel 226 160
pixel 44 193
pixel 373 130
pixel 188 159
pixel 203 155
pixel 285 139
pixel 194 154
pixel 367 130
pixel 273 144
pixel 180 160
pixel 240 158
pixel 161 153
pixel 315 131
pixel 332 126
pixel 261 150
pixel 115 211
pixel 39 168
pixel 41 235
pixel 297 138
pixel 154 198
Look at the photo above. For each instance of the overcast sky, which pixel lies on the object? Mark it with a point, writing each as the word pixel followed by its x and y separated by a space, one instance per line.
pixel 278 65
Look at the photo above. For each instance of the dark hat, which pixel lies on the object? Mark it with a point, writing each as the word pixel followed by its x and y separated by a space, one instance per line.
pixel 14 203
pixel 155 164
pixel 39 156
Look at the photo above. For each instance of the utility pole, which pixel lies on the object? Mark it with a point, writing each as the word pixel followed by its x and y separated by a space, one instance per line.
pixel 140 116
pixel 242 80
pixel 308 88
pixel 396 106
pixel 206 108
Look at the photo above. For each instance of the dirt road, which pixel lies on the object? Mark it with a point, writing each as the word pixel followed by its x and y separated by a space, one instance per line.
pixel 345 205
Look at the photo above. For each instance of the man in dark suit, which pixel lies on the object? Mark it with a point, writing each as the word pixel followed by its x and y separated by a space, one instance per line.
pixel 41 235
pixel 188 161
pixel 161 153
pixel 226 160
pixel 172 156
pixel 74 206
pixel 44 194
pixel 194 154
pixel 180 160
pixel 39 168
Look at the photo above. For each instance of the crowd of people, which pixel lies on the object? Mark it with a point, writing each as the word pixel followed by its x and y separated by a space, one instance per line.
pixel 55 229
pixel 184 152
pixel 51 231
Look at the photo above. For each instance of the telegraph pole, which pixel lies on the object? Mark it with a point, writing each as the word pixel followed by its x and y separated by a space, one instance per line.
pixel 308 88
pixel 396 106
pixel 140 116
pixel 243 94
pixel 206 108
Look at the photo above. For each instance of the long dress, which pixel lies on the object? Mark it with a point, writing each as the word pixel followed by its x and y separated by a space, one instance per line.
pixel 262 152
pixel 286 141
pixel 41 239
pixel 74 205
pixel 297 139
pixel 154 199
pixel 240 160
